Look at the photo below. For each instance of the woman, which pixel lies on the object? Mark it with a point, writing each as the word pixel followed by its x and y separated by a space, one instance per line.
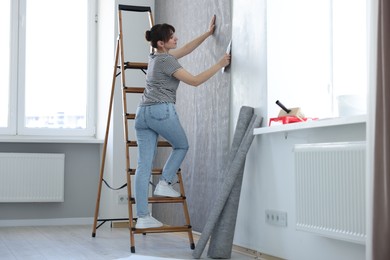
pixel 156 114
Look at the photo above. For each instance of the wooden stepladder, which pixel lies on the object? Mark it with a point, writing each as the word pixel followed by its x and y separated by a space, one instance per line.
pixel 119 69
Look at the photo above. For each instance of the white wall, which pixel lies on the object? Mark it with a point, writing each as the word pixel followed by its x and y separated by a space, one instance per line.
pixel 269 178
pixel 81 167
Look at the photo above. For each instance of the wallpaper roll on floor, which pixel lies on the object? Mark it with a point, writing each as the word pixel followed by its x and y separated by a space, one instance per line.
pixel 221 241
pixel 236 166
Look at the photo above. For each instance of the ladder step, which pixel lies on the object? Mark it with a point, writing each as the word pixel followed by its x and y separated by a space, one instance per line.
pixel 133 90
pixel 136 65
pixel 133 8
pixel 159 144
pixel 162 229
pixel 166 200
pixel 130 116
pixel 154 171
pixel 162 200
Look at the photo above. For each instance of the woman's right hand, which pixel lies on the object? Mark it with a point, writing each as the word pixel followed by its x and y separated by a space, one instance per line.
pixel 225 60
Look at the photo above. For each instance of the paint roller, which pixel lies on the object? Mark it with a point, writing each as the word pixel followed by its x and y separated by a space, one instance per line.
pixel 296 111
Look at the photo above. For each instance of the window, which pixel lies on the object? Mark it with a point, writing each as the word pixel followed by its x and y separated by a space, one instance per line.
pixel 317 56
pixel 47 79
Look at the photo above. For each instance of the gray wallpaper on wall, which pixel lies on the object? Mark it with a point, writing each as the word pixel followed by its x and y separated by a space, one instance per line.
pixel 204 111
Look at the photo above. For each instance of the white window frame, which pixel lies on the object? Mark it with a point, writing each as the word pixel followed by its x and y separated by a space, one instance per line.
pixel 12 96
pixel 17 87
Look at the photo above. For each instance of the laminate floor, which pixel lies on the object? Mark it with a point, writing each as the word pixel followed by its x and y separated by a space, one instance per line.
pixel 76 242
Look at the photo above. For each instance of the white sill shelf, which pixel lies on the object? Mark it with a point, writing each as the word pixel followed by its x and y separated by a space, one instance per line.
pixel 328 122
pixel 50 139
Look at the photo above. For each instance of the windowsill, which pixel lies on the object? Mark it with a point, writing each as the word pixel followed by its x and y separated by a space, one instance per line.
pixel 51 139
pixel 328 122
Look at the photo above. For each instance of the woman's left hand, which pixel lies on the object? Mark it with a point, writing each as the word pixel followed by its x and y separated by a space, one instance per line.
pixel 212 25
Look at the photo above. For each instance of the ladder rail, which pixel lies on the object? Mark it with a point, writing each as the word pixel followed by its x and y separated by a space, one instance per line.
pixel 125 125
pixel 103 159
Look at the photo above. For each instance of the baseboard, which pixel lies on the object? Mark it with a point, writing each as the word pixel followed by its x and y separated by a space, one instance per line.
pixel 46 222
pixel 254 253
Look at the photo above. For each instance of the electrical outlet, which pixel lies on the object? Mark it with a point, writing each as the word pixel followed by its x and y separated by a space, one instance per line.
pixel 276 218
pixel 122 199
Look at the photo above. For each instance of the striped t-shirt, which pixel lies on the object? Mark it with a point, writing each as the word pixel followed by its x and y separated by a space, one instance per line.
pixel 161 86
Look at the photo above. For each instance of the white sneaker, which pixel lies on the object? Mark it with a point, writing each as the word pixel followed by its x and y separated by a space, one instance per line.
pixel 148 222
pixel 166 190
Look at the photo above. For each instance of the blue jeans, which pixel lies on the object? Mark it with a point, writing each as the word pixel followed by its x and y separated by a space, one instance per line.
pixel 152 121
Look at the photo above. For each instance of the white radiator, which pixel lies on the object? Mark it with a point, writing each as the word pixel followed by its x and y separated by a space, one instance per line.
pixel 330 189
pixel 31 177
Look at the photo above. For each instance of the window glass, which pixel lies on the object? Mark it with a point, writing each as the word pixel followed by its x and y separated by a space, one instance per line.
pixel 316 57
pixel 349 56
pixel 56 69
